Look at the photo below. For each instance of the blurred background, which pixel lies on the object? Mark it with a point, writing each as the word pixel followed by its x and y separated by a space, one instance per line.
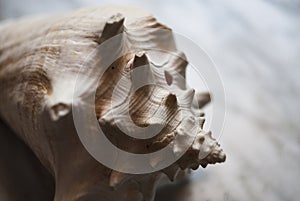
pixel 256 46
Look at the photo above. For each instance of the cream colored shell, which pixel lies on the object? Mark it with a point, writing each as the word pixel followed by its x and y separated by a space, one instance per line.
pixel 39 62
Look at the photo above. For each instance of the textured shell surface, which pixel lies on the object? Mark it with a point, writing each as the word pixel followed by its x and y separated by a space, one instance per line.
pixel 43 60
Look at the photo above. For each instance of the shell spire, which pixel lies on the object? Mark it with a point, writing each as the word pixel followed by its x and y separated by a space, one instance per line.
pixel 205 150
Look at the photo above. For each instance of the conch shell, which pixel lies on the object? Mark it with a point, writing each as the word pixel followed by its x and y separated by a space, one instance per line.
pixel 41 60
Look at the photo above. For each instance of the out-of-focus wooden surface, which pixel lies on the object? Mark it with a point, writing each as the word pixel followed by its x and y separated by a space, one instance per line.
pixel 256 46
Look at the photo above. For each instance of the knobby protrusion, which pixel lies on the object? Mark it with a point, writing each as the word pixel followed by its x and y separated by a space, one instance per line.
pixel 201 99
pixel 179 63
pixel 187 98
pixel 140 59
pixel 113 27
pixel 204 150
pixel 141 71
pixel 210 151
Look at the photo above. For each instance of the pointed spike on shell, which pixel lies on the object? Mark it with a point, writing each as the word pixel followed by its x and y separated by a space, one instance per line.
pixel 187 98
pixel 195 167
pixel 204 165
pixel 201 99
pixel 114 26
pixel 171 172
pixel 116 178
pixel 140 59
pixel 140 70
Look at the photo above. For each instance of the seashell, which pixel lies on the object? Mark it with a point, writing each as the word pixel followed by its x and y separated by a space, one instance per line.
pixel 40 60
